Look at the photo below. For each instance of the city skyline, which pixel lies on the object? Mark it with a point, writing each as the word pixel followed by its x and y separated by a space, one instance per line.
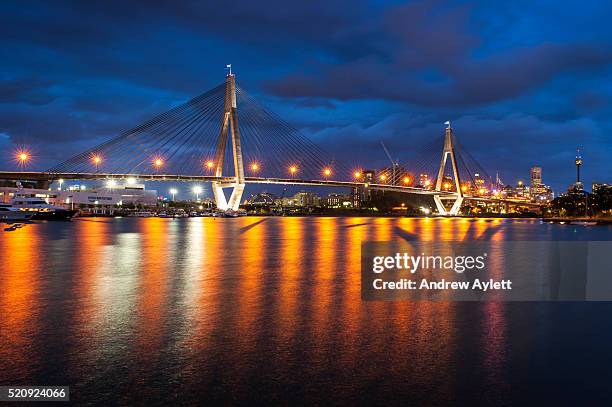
pixel 531 100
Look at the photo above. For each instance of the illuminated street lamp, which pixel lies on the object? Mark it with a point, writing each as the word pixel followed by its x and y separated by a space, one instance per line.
pixel 197 190
pixel 293 169
pixel 357 174
pixel 96 161
pixel 383 178
pixel 254 167
pixel 327 172
pixel 406 180
pixel 173 192
pixel 209 165
pixel 111 183
pixel 61 181
pixel 22 156
pixel 157 163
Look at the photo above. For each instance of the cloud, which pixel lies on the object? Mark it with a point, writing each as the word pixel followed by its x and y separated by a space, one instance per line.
pixel 27 90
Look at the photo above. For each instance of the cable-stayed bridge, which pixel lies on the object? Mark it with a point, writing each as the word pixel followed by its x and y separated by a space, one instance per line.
pixel 224 136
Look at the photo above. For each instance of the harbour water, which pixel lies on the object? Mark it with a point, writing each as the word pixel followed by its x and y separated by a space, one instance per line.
pixel 204 310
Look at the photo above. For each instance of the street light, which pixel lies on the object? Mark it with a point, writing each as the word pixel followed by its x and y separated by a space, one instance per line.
pixel 61 181
pixel 383 177
pixel 111 183
pixel 197 190
pixel 210 165
pixel 327 172
pixel 293 169
pixel 254 167
pixel 96 160
pixel 22 156
pixel 157 163
pixel 357 174
pixel 406 180
pixel 173 192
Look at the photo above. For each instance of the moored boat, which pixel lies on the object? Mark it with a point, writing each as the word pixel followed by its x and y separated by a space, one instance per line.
pixel 9 213
pixel 41 210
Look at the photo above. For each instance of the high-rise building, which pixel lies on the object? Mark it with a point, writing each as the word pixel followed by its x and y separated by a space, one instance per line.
pixel 537 190
pixel 536 176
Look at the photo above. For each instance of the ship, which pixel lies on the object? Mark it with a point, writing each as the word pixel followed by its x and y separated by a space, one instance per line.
pixel 41 210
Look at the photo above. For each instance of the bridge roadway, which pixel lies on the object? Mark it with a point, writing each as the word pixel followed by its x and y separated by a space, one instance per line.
pixel 54 176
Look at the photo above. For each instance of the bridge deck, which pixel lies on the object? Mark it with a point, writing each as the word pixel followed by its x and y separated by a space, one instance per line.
pixel 54 176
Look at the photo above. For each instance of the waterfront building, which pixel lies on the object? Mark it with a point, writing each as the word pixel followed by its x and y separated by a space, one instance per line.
pixel 306 199
pixel 81 196
pixel 357 196
pixel 336 201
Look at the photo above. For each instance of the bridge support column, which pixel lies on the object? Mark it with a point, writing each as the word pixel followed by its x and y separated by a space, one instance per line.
pixel 448 152
pixel 229 121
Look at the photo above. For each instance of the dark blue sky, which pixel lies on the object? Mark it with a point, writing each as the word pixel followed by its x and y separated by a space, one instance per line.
pixel 524 82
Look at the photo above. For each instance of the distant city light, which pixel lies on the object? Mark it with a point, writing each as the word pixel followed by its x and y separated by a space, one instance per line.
pixel 173 192
pixel 111 183
pixel 427 182
pixel 131 181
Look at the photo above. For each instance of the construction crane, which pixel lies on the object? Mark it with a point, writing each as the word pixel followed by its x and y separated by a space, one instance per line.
pixel 394 164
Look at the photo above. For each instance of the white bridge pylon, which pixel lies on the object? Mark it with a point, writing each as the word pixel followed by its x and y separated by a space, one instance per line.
pixel 229 121
pixel 448 152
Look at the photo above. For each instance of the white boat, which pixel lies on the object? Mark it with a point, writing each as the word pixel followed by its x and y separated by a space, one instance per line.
pixel 143 214
pixel 10 213
pixel 583 223
pixel 39 209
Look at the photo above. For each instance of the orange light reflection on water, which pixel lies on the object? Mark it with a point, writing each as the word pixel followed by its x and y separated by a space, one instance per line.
pixel 20 308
